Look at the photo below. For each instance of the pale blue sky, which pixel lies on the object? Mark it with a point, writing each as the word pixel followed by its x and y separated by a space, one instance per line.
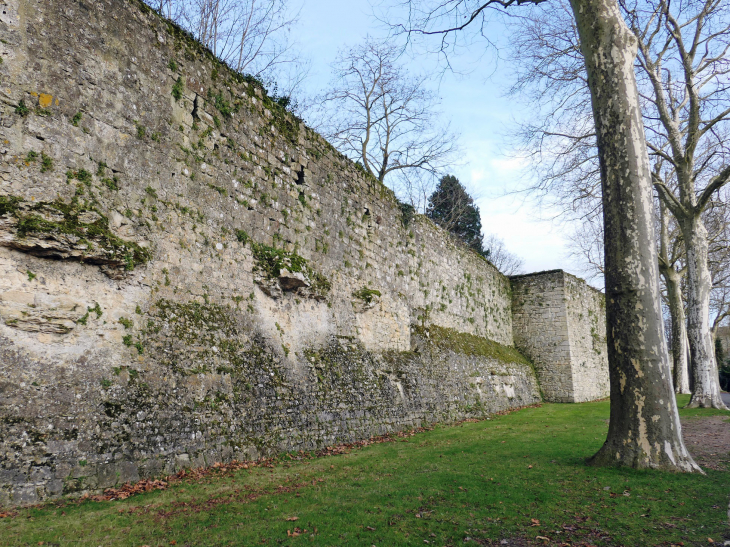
pixel 478 110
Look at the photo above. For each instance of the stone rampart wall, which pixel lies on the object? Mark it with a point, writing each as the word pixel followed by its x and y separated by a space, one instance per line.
pixel 560 324
pixel 540 322
pixel 187 274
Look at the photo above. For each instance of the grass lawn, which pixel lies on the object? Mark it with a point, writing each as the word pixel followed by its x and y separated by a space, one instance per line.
pixel 517 476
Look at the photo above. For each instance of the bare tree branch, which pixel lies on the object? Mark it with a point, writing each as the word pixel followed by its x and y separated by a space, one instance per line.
pixel 385 118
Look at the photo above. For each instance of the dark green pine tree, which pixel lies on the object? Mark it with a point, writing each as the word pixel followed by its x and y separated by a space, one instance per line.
pixel 451 207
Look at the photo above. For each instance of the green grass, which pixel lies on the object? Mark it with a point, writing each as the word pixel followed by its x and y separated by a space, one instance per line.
pixel 481 480
pixel 683 400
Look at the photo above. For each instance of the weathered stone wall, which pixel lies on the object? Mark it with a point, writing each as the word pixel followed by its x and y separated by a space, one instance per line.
pixel 187 274
pixel 586 309
pixel 560 323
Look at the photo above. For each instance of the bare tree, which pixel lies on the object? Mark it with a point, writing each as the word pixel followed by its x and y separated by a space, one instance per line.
pixel 671 252
pixel 692 116
pixel 638 360
pixel 682 67
pixel 251 36
pixel 644 429
pixel 559 139
pixel 717 220
pixel 586 245
pixel 387 120
pixel 497 253
pixel 166 8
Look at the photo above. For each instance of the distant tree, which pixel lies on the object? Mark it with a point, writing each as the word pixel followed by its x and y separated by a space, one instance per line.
pixel 497 253
pixel 451 207
pixel 386 119
pixel 671 254
pixel 723 365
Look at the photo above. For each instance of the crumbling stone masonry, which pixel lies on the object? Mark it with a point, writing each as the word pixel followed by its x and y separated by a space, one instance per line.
pixel 188 274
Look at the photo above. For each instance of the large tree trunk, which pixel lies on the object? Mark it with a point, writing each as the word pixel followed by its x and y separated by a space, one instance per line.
pixel 706 386
pixel 644 429
pixel 672 280
pixel 679 330
pixel 689 362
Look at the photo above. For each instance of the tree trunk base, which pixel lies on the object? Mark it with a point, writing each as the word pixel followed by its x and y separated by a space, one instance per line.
pixel 616 454
pixel 707 401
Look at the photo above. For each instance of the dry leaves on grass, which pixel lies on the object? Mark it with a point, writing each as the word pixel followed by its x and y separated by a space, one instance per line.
pixel 128 490
pixel 295 533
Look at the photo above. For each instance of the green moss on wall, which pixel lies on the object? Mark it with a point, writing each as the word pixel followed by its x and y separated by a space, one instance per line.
pixel 469 344
pixel 96 234
pixel 366 295
pixel 270 261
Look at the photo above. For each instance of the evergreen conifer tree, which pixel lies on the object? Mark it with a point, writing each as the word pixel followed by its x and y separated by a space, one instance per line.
pixel 451 207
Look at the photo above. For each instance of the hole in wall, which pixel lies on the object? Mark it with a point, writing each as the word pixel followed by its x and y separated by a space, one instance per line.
pixel 195 107
pixel 367 218
pixel 300 176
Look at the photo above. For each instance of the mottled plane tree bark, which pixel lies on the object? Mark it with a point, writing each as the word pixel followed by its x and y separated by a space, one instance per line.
pixel 717 220
pixel 670 252
pixel 644 428
pixel 682 67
